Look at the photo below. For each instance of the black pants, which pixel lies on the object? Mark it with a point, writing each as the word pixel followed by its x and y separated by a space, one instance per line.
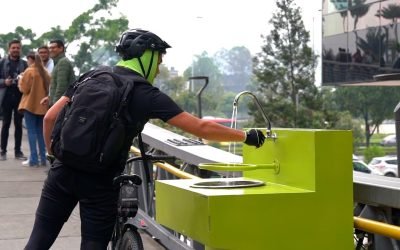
pixel 63 189
pixel 10 106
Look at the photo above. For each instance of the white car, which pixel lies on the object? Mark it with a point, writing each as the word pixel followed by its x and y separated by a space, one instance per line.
pixel 389 140
pixel 386 165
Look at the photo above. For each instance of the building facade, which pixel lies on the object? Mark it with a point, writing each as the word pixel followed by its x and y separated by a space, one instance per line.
pixel 360 39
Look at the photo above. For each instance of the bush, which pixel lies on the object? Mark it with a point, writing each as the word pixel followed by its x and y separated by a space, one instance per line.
pixel 373 151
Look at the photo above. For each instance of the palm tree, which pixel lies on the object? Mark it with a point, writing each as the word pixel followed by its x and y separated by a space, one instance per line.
pixel 391 12
pixel 358 9
pixel 342 7
pixel 375 42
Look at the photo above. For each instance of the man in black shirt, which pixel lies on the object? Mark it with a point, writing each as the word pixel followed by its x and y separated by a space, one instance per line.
pixel 141 53
pixel 10 68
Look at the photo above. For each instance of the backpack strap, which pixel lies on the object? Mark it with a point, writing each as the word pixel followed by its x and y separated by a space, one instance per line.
pixel 120 81
pixel 129 85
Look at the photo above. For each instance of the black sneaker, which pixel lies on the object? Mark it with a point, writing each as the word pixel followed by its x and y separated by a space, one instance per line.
pixel 20 156
pixel 3 156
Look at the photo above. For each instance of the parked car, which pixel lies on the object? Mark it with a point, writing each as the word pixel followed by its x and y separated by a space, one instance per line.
pixel 389 140
pixel 386 165
pixel 360 166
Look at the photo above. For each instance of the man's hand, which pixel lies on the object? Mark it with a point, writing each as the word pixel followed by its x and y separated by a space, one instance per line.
pixel 51 158
pixel 254 137
pixel 8 81
pixel 45 101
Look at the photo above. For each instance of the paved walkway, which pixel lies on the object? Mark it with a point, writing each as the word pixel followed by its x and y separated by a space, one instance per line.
pixel 20 189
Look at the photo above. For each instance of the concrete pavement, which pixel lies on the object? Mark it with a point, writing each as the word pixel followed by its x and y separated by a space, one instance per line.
pixel 20 189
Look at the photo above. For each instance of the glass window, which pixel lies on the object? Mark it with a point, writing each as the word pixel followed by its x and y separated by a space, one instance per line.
pixel 363 16
pixel 330 6
pixel 358 166
pixel 369 31
pixel 335 23
pixel 375 161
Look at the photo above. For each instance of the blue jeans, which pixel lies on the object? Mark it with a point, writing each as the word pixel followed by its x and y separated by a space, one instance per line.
pixel 34 126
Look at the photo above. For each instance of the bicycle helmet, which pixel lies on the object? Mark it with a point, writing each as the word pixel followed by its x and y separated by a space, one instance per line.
pixel 134 42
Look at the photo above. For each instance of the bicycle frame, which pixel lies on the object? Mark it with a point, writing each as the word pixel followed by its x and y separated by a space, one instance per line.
pixel 140 168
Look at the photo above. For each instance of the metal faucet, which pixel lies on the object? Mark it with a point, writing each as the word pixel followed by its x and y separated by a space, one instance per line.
pixel 269 134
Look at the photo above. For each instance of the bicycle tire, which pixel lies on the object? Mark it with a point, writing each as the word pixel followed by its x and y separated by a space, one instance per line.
pixel 113 245
pixel 131 240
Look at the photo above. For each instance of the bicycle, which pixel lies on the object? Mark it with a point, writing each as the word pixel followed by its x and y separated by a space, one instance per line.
pixel 126 230
pixel 126 236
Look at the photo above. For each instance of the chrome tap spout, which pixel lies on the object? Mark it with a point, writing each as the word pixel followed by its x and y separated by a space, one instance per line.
pixel 265 117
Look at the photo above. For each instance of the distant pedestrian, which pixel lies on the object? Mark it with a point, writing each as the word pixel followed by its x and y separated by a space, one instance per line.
pixel 10 68
pixel 62 75
pixel 357 57
pixel 44 54
pixel 34 85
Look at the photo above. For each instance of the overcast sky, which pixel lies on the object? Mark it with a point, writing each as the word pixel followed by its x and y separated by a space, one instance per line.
pixel 189 26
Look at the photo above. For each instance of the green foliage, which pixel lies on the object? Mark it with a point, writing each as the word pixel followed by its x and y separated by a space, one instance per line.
pixel 94 33
pixel 373 151
pixel 372 104
pixel 236 67
pixel 285 72
pixel 203 65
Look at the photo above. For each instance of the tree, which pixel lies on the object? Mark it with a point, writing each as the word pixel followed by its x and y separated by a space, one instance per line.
pixel 391 12
pixel 204 65
pixel 374 43
pixel 236 68
pixel 285 72
pixel 372 104
pixel 358 9
pixel 91 33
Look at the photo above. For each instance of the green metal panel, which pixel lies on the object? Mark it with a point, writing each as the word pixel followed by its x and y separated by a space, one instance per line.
pixel 307 205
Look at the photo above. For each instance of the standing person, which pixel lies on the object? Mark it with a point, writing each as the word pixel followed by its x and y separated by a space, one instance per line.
pixel 34 85
pixel 141 53
pixel 357 57
pixel 44 54
pixel 10 68
pixel 63 72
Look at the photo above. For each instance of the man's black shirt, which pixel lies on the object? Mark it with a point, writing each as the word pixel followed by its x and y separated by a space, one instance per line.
pixel 146 102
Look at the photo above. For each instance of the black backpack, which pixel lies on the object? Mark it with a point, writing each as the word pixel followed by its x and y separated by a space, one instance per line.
pixel 92 132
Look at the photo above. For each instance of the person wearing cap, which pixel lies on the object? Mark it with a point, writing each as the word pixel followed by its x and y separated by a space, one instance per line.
pixel 141 54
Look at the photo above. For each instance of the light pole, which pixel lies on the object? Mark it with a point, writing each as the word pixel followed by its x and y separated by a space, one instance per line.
pixel 197 18
pixel 198 94
pixel 297 106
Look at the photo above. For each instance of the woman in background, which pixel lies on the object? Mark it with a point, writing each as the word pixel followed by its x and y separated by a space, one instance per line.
pixel 34 86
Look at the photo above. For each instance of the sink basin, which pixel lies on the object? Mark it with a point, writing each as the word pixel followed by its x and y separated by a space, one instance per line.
pixel 228 184
pixel 234 166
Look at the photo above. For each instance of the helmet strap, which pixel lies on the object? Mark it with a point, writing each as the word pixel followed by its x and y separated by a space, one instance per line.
pixel 150 64
pixel 142 68
pixel 147 73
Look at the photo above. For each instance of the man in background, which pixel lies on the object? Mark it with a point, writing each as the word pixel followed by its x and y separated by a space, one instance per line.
pixel 44 54
pixel 11 67
pixel 63 72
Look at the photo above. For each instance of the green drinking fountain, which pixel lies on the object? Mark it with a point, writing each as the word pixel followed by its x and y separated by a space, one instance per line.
pixel 296 193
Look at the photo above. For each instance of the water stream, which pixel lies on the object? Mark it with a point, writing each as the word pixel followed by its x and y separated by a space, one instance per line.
pixel 232 145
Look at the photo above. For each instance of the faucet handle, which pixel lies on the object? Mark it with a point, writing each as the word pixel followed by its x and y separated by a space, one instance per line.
pixel 271 135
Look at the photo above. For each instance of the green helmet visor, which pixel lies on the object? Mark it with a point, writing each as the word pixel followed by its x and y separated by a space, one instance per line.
pixel 146 65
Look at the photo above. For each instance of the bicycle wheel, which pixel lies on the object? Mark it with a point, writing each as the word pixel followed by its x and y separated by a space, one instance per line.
pixel 131 241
